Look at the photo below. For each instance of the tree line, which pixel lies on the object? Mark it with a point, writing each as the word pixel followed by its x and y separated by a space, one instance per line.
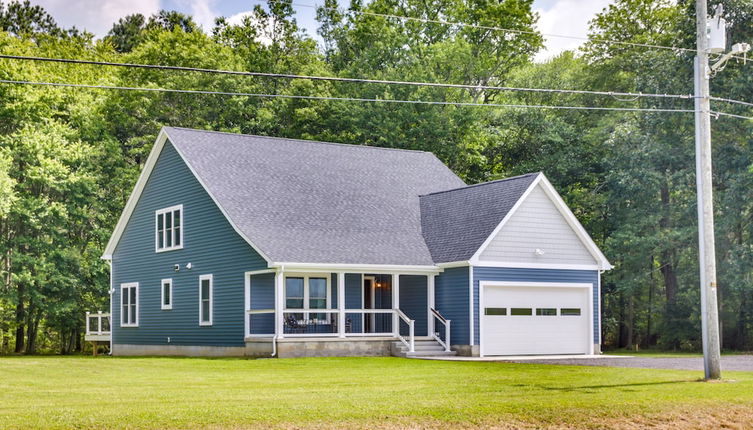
pixel 69 157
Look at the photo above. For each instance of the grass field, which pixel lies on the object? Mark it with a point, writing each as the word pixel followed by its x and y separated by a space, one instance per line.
pixel 135 393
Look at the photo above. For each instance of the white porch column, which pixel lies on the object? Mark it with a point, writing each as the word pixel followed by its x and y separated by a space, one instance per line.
pixel 341 303
pixel 395 303
pixel 247 305
pixel 430 304
pixel 279 302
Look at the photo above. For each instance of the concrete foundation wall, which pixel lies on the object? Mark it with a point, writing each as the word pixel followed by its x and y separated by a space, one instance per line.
pixel 290 348
pixel 179 350
pixel 466 350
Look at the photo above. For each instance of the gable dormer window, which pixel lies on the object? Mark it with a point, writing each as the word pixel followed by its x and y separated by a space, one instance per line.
pixel 169 228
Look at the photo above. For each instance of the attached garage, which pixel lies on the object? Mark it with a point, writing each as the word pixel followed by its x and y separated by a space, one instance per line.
pixel 527 318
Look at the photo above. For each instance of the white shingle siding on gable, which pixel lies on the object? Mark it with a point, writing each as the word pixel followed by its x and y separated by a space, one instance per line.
pixel 537 224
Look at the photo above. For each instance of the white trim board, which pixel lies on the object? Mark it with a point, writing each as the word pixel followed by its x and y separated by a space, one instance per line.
pixel 564 210
pixel 586 285
pixel 138 189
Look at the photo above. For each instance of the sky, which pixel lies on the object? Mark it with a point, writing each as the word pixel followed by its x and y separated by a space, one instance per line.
pixel 562 17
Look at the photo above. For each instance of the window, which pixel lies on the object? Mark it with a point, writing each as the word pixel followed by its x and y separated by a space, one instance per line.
pixel 169 229
pixel 129 310
pixel 546 312
pixel 521 311
pixel 205 300
pixel 307 292
pixel 167 294
pixel 570 312
pixel 495 311
pixel 294 293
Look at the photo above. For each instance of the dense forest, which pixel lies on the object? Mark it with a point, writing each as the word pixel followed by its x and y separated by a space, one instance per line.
pixel 69 157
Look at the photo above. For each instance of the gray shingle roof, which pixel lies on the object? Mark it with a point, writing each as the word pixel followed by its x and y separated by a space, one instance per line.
pixel 314 202
pixel 456 222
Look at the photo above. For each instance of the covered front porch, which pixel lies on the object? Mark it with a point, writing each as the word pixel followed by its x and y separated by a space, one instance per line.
pixel 303 311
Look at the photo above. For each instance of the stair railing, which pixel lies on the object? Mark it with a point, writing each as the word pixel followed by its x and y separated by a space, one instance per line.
pixel 446 342
pixel 410 342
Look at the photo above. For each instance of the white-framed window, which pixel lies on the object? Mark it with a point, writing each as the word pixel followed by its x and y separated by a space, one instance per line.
pixel 306 292
pixel 129 304
pixel 169 229
pixel 166 293
pixel 205 299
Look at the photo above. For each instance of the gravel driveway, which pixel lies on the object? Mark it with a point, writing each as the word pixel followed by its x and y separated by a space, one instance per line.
pixel 729 362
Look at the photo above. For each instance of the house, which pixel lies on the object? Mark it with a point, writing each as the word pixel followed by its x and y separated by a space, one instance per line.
pixel 255 246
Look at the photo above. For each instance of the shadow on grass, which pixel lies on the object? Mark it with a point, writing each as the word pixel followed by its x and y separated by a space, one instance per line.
pixel 619 386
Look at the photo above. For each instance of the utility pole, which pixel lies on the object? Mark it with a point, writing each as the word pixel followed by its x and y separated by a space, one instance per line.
pixel 706 248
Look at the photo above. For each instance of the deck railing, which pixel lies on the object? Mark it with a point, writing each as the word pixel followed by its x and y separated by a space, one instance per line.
pixel 100 326
pixel 325 323
pixel 443 340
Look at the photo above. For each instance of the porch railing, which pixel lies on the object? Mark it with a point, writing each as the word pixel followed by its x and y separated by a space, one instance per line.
pixel 444 321
pixel 410 342
pixel 325 323
pixel 100 326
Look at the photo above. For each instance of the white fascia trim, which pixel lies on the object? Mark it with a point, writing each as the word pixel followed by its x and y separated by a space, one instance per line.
pixel 453 264
pixel 359 268
pixel 151 161
pixel 483 284
pixel 593 249
pixel 515 265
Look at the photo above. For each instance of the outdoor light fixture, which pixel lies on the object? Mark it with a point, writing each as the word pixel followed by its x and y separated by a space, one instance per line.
pixel 189 266
pixel 538 251
pixel 177 267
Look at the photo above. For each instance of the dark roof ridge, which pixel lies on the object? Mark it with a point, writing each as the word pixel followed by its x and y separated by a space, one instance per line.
pixel 484 183
pixel 349 145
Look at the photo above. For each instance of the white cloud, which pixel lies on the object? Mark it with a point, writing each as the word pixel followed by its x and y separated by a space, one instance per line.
pixel 263 38
pixel 96 16
pixel 203 13
pixel 566 17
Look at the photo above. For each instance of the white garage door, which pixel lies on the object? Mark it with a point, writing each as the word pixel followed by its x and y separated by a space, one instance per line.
pixel 535 319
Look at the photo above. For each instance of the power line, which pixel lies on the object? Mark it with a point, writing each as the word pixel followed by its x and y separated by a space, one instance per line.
pixel 739 102
pixel 505 30
pixel 614 94
pixel 354 99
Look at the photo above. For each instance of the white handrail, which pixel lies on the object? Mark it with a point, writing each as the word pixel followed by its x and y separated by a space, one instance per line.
pixel 411 342
pixel 446 322
pixel 99 316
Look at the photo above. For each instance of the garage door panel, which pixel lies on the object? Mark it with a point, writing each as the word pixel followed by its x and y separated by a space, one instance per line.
pixel 535 334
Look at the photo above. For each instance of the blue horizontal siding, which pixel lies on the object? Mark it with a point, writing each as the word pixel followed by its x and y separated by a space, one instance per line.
pixel 262 296
pixel 353 300
pixel 414 302
pixel 536 275
pixel 451 299
pixel 211 245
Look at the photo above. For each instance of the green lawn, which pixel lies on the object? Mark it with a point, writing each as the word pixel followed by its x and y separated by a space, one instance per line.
pixel 106 392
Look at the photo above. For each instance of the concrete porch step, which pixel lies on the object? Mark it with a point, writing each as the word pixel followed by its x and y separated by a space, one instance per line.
pixel 422 348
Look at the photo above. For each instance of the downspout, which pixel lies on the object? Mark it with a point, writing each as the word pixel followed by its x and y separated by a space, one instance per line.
pixel 278 303
pixel 112 291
